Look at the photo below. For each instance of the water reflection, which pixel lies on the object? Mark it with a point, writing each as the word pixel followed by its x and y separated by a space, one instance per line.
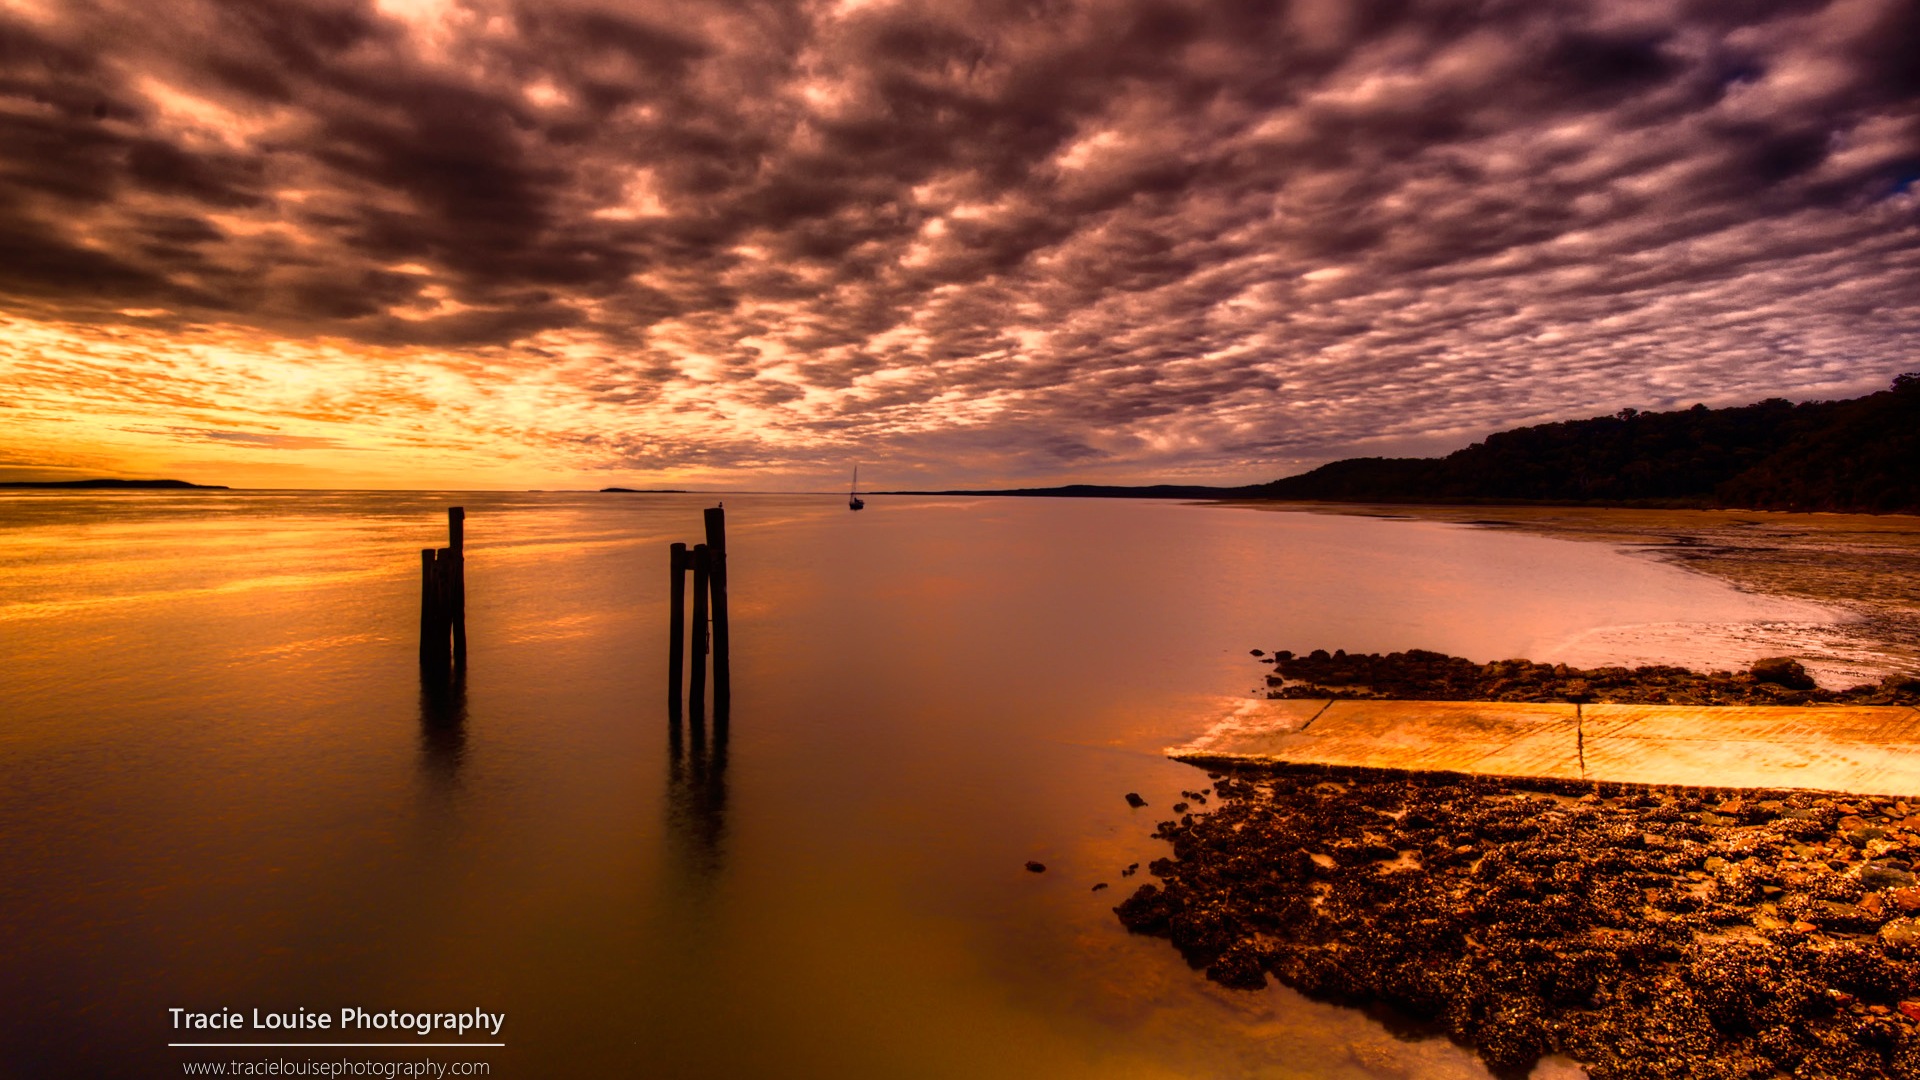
pixel 1005 668
pixel 697 797
pixel 443 724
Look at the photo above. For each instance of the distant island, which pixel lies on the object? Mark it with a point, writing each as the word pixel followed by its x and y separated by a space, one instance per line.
pixel 1858 455
pixel 647 491
pixel 116 484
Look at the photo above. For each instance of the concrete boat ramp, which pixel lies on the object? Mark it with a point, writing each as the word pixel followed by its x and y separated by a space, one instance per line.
pixel 1859 749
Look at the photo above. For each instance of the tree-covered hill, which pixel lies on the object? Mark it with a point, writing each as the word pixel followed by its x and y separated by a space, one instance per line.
pixel 1861 454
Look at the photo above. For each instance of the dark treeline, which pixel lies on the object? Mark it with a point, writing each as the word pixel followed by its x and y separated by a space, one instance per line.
pixel 111 484
pixel 1861 454
pixel 1856 455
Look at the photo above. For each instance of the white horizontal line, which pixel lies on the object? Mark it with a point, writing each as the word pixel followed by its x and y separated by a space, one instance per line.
pixel 393 1046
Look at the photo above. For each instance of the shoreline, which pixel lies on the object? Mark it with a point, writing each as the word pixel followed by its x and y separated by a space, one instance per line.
pixel 1867 565
pixel 1644 932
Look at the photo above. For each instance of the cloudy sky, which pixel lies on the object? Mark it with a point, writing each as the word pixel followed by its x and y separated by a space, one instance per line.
pixel 401 243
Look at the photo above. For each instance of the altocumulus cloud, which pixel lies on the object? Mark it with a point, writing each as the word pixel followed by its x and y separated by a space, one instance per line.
pixel 267 440
pixel 1046 239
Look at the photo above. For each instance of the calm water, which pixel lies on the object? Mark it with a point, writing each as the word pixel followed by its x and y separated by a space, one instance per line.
pixel 225 788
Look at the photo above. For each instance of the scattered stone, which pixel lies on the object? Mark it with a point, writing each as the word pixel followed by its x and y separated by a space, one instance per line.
pixel 1901 937
pixel 1100 885
pixel 1179 808
pixel 1782 671
pixel 1420 675
pixel 1886 875
pixel 1134 800
pixel 1649 935
pixel 1037 868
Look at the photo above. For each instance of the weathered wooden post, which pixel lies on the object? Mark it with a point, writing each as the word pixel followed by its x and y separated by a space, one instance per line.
pixel 457 582
pixel 716 521
pixel 443 606
pixel 697 681
pixel 429 605
pixel 677 629
pixel 443 597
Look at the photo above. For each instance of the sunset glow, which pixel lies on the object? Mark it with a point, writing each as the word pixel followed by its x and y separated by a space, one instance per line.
pixel 434 243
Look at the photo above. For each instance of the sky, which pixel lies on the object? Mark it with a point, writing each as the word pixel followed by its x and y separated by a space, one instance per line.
pixel 745 245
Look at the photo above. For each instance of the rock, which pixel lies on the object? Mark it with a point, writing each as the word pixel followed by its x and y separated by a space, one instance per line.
pixel 1907 900
pixel 1146 911
pixel 1179 808
pixel 1256 652
pixel 1782 671
pixel 1884 875
pixel 1875 850
pixel 1101 885
pixel 1037 868
pixel 1901 937
pixel 1239 967
pixel 1134 800
pixel 1846 918
pixel 1910 1010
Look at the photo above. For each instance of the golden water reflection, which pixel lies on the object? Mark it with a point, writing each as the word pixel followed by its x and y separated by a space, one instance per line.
pixel 229 784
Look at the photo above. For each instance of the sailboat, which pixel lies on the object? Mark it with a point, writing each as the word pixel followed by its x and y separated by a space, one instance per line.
pixel 854 501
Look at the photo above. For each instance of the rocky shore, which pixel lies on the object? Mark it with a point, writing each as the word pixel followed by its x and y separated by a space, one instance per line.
pixel 1646 933
pixel 1643 933
pixel 1420 675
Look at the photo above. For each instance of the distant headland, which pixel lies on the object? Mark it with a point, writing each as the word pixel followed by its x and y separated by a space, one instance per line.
pixel 1851 456
pixel 646 491
pixel 113 484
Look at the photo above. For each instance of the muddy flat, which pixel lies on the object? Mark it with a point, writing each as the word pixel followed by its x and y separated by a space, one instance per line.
pixel 1867 564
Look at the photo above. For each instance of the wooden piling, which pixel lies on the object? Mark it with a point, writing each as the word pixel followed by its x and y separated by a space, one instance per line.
pixel 443 597
pixel 677 628
pixel 697 680
pixel 716 522
pixel 457 582
pixel 428 597
pixel 443 584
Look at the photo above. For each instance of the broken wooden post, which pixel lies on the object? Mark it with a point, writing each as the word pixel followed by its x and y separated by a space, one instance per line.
pixel 697 680
pixel 443 597
pixel 457 582
pixel 716 521
pixel 677 624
